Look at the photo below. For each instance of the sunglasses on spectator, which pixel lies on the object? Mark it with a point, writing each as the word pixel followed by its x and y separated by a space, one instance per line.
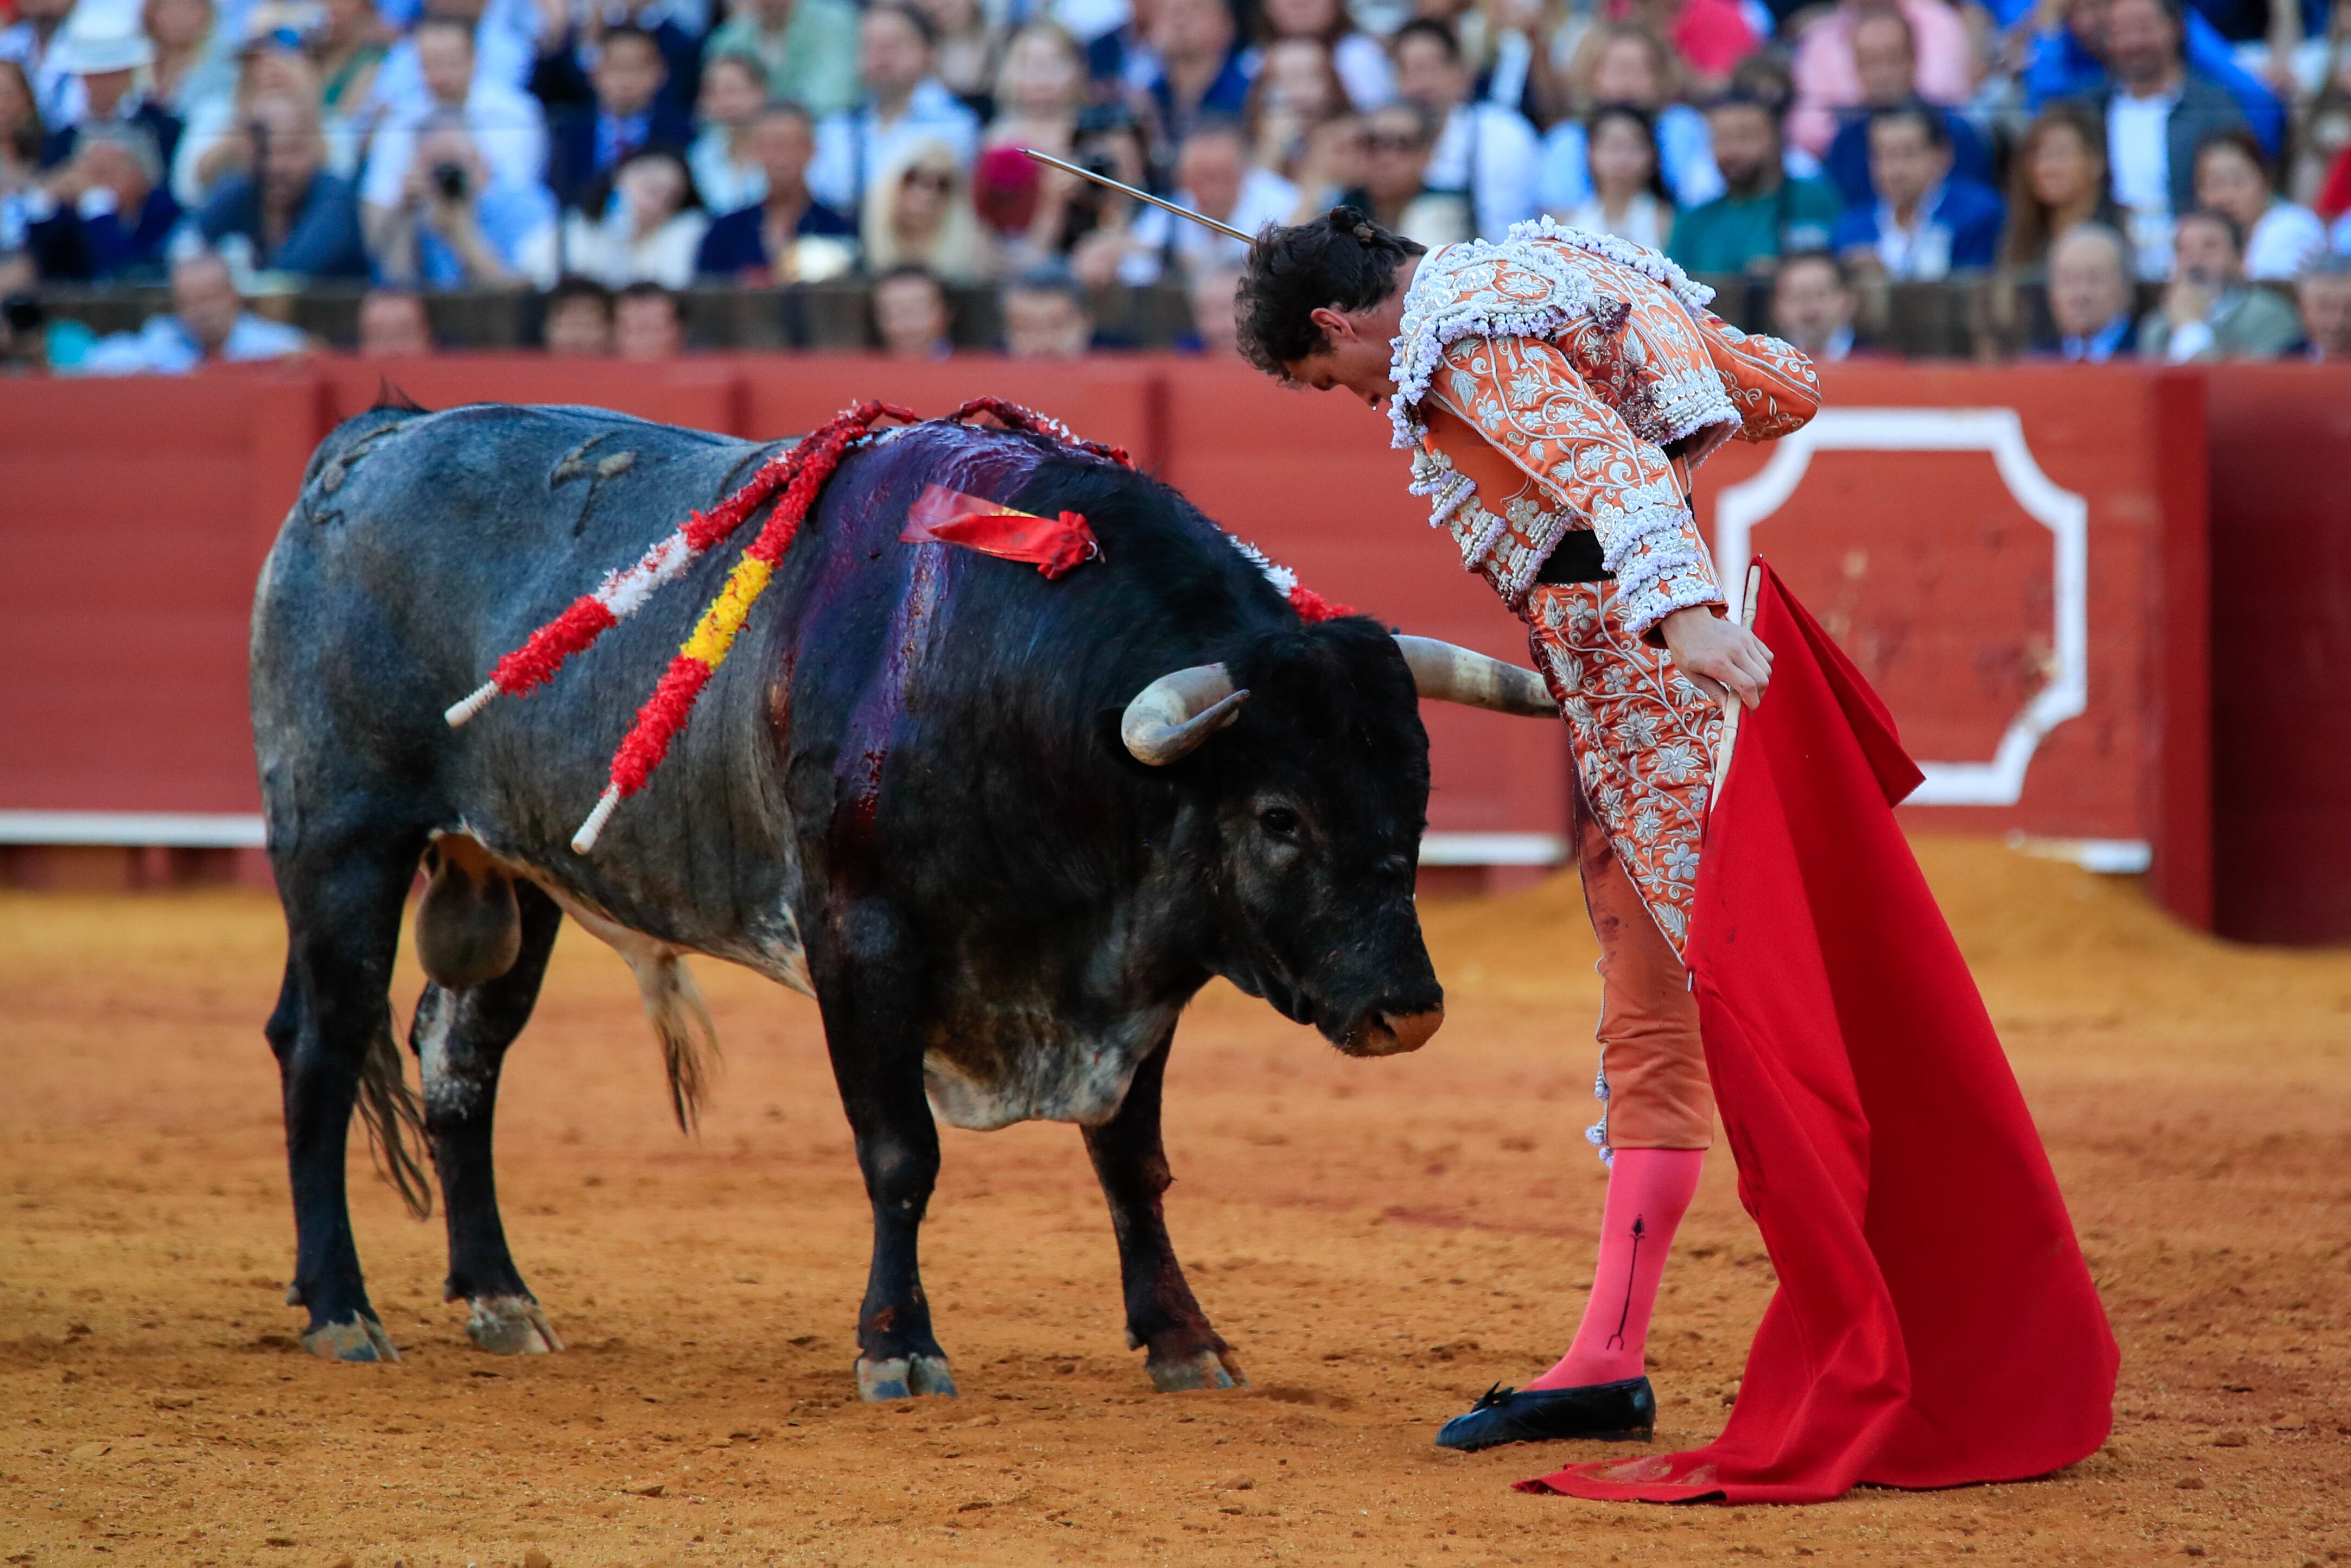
pixel 930 178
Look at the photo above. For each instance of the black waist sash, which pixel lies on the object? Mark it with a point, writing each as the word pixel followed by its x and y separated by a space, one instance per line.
pixel 1576 559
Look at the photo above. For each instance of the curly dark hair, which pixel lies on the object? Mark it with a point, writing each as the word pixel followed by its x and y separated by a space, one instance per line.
pixel 1342 259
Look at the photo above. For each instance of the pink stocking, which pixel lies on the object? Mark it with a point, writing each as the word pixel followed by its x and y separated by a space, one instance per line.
pixel 1649 1189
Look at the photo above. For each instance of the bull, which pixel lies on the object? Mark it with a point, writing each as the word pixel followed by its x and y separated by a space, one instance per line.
pixel 1000 829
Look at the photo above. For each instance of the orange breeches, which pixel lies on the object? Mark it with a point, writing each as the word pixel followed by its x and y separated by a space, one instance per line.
pixel 1652 1065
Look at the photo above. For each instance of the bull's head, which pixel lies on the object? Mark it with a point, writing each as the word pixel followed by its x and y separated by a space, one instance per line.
pixel 1319 793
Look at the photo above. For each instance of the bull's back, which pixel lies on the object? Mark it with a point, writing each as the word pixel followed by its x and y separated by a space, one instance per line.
pixel 423 548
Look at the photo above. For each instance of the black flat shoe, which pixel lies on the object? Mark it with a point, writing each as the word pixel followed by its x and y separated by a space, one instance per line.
pixel 1623 1412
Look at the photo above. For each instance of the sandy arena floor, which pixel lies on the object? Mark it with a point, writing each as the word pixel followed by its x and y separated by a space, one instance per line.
pixel 1380 1240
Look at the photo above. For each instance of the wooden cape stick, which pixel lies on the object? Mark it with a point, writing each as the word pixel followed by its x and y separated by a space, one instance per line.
pixel 1226 229
pixel 1731 715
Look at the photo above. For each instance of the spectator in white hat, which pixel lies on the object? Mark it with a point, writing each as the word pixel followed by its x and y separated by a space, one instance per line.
pixel 101 53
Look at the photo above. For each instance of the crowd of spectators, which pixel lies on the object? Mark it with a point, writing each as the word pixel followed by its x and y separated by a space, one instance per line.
pixel 606 153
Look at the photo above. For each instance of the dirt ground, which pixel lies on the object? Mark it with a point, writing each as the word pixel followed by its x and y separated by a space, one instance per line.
pixel 1380 1240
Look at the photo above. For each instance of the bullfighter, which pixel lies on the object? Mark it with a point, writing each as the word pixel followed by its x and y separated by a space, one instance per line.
pixel 1554 391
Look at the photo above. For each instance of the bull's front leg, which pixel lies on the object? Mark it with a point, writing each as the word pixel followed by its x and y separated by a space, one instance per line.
pixel 869 993
pixel 1186 1351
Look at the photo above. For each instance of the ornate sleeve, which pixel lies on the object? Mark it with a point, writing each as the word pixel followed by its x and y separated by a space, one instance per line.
pixel 1528 402
pixel 1773 384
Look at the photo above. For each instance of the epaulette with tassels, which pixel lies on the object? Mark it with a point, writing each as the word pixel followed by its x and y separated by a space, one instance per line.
pixel 794 478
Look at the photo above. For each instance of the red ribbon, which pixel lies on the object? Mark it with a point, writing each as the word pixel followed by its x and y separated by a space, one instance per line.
pixel 1052 545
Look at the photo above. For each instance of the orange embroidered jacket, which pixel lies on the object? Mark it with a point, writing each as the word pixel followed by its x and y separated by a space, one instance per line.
pixel 1540 383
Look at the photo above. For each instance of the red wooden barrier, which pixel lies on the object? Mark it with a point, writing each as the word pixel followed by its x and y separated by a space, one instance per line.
pixel 134 516
pixel 2280 439
pixel 2014 558
pixel 704 393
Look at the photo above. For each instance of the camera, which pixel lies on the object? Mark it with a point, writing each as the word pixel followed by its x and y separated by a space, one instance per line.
pixel 449 180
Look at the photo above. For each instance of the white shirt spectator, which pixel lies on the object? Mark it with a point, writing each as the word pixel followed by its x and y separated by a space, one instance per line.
pixel 166 347
pixel 505 48
pixel 724 185
pixel 2139 152
pixel 2284 240
pixel 1685 155
pixel 22 43
pixel 609 251
pixel 1266 198
pixel 854 146
pixel 1489 152
pixel 1364 70
pixel 1644 222
pixel 508 127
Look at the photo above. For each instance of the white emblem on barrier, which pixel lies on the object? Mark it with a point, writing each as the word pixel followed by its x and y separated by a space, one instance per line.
pixel 2066 515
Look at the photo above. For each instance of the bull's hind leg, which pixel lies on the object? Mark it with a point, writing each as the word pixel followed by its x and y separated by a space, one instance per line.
pixel 1161 1313
pixel 460 1037
pixel 331 1033
pixel 868 991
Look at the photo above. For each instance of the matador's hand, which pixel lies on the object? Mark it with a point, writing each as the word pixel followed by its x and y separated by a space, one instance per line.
pixel 1721 658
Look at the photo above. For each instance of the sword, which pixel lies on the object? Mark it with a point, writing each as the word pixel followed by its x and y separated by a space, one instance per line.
pixel 1226 229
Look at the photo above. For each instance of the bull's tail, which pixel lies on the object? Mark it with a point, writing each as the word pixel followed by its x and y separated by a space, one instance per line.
pixel 395 1123
pixel 689 1039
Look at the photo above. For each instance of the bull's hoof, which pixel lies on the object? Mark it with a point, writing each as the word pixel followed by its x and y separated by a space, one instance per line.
pixel 511 1326
pixel 1205 1369
pixel 903 1377
pixel 363 1339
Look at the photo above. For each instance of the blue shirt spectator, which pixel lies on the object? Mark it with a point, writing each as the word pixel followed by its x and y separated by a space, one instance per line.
pixel 750 239
pixel 295 216
pixel 630 114
pixel 208 325
pixel 1196 70
pixel 1885 64
pixel 1847 163
pixel 904 103
pixel 1924 222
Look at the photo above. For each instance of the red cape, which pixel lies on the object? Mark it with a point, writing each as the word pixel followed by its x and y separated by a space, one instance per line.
pixel 1935 1323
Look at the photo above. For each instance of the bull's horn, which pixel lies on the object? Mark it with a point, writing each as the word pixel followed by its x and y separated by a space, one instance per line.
pixel 1172 715
pixel 1454 674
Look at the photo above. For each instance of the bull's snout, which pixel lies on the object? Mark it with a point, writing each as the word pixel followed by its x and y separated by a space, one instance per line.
pixel 1392 1034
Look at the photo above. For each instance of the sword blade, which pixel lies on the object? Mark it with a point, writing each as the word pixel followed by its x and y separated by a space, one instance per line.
pixel 1226 229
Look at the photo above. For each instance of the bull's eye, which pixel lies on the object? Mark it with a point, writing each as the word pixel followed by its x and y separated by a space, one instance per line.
pixel 1281 821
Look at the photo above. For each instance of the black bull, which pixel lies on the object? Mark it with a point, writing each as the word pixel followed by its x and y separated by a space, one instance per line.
pixel 907 793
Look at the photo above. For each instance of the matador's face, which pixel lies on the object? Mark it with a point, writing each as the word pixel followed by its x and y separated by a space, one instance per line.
pixel 1359 348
